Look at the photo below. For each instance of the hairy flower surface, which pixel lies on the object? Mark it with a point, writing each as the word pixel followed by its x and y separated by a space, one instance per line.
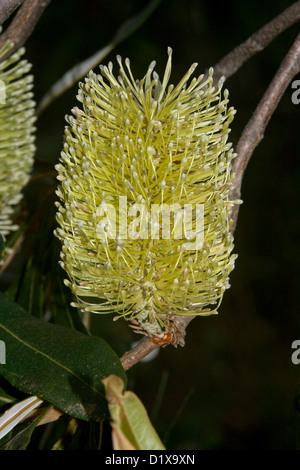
pixel 151 144
pixel 17 118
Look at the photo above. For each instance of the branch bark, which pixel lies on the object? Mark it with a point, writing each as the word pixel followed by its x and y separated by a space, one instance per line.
pixel 136 354
pixel 24 23
pixel 254 130
pixel 7 7
pixel 258 41
pixel 146 346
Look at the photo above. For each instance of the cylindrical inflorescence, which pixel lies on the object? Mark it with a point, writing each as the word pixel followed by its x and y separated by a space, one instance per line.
pixel 17 117
pixel 144 210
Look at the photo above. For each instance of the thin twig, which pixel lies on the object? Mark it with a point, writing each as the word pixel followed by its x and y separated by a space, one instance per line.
pixel 24 23
pixel 258 41
pixel 136 354
pixel 146 346
pixel 7 7
pixel 254 130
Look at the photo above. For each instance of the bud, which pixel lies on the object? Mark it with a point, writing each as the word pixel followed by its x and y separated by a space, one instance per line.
pixel 152 145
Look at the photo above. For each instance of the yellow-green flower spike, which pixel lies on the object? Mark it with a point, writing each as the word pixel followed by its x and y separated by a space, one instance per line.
pixel 139 156
pixel 17 116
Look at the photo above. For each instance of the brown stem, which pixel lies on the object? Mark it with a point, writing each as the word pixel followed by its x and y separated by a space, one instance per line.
pixel 254 131
pixel 136 354
pixel 146 346
pixel 24 23
pixel 233 61
pixel 7 7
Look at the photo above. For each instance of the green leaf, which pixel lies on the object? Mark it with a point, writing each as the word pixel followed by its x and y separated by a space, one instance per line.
pixel 17 413
pixel 131 426
pixel 63 366
pixel 22 433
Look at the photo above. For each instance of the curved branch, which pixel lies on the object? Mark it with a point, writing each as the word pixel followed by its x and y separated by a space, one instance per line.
pixel 137 353
pixel 24 23
pixel 254 130
pixel 146 346
pixel 7 7
pixel 258 41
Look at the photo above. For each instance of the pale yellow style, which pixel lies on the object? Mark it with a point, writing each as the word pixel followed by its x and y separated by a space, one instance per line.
pixel 17 117
pixel 154 143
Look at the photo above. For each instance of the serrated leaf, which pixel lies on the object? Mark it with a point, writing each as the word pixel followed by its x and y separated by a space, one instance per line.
pixel 60 365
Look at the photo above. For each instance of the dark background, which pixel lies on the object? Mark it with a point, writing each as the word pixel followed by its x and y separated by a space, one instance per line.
pixel 233 386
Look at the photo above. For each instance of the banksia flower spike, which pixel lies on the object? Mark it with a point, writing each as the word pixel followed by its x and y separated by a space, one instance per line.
pixel 17 116
pixel 144 211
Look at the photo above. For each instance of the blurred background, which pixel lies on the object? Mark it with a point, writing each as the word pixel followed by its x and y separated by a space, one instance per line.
pixel 233 386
